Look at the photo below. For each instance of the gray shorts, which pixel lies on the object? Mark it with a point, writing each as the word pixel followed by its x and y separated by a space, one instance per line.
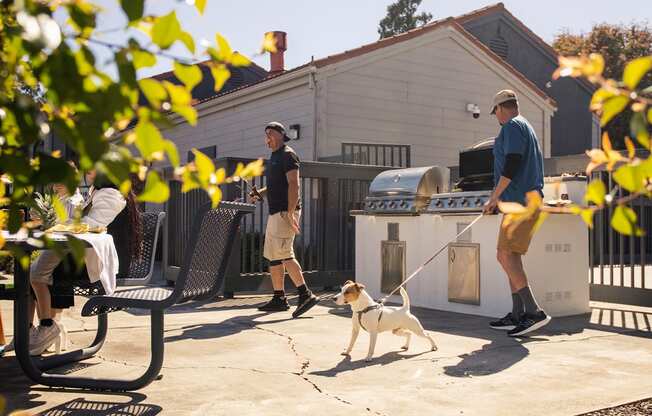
pixel 41 269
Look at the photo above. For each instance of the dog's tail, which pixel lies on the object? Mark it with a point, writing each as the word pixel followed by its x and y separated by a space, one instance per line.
pixel 406 299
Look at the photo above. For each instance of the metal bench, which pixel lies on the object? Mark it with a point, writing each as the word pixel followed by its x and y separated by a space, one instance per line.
pixel 141 270
pixel 201 277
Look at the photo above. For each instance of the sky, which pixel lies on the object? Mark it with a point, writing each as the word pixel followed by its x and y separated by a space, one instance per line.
pixel 322 28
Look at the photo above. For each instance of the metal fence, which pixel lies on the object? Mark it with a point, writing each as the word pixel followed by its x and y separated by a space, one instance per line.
pixel 621 266
pixel 325 248
pixel 395 155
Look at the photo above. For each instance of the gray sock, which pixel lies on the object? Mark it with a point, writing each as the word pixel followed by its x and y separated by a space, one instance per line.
pixel 527 297
pixel 517 306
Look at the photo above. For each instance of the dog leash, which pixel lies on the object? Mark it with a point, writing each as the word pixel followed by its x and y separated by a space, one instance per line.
pixel 423 265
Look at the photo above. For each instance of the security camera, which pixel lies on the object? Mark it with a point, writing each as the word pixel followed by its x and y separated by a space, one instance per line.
pixel 473 109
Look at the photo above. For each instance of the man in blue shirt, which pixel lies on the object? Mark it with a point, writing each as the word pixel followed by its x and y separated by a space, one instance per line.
pixel 518 170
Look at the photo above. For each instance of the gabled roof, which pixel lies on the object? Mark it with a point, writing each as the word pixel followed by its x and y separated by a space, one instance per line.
pixel 452 22
pixel 536 39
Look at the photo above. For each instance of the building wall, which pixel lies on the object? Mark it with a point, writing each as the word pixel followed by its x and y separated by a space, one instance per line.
pixel 572 126
pixel 416 93
pixel 237 127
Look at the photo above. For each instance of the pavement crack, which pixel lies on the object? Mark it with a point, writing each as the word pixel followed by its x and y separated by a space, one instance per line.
pixel 305 363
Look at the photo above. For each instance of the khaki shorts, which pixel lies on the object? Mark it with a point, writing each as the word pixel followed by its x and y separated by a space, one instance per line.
pixel 279 237
pixel 519 240
pixel 42 268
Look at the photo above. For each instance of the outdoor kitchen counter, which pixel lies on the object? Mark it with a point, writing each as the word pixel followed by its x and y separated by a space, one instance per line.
pixel 466 277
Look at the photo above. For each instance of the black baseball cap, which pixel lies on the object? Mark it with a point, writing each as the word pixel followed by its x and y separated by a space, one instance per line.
pixel 275 125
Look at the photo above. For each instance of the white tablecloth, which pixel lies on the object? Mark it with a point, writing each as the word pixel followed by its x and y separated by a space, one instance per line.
pixel 101 258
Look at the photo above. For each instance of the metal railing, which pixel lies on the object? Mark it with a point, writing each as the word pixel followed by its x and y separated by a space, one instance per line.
pixel 394 155
pixel 326 246
pixel 621 266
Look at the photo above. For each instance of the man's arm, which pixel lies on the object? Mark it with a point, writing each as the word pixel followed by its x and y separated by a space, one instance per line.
pixel 293 189
pixel 293 198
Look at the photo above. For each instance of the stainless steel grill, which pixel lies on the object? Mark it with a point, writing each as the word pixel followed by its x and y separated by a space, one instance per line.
pixel 472 201
pixel 405 191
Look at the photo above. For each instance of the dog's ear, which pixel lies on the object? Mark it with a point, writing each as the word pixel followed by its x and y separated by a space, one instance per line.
pixel 360 286
pixel 347 282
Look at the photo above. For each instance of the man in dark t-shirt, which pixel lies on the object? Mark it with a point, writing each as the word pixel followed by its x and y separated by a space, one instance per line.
pixel 282 194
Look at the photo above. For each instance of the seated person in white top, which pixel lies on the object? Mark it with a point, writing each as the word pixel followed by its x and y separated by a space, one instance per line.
pixel 105 207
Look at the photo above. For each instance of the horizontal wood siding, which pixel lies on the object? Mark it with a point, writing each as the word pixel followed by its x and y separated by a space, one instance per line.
pixel 238 131
pixel 415 96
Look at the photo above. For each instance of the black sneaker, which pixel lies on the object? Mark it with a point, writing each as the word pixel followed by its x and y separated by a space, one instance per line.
pixel 530 323
pixel 276 304
pixel 306 302
pixel 506 323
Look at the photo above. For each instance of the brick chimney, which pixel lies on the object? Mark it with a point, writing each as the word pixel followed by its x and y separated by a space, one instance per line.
pixel 277 64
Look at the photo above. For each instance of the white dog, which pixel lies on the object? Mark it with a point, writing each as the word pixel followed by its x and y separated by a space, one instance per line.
pixel 375 318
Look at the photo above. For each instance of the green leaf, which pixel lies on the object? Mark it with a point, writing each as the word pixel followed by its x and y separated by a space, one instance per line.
pixel 179 95
pixel 215 194
pixel 153 90
pixel 225 50
pixel 587 216
pixel 200 5
pixel 205 167
pixel 166 30
pixel 133 8
pixel 630 177
pixel 172 152
pixel 148 139
pixel 624 221
pixel 221 74
pixel 639 129
pixel 595 192
pixel 612 107
pixel 143 59
pixel 188 112
pixel 239 60
pixel 187 40
pixel 636 70
pixel 156 190
pixel 649 115
pixel 190 75
pixel 83 15
pixel 59 209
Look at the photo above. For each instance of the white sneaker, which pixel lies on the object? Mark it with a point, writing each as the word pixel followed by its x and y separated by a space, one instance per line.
pixel 61 343
pixel 43 338
pixel 11 346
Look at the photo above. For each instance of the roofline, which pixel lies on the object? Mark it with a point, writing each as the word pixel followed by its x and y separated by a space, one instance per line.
pixel 413 33
pixel 504 64
pixel 552 53
pixel 258 86
pixel 379 44
pixel 170 73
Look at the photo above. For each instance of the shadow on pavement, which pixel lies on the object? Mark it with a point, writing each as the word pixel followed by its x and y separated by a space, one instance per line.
pixel 82 407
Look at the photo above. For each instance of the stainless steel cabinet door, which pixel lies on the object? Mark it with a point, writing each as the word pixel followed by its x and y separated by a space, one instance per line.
pixel 464 273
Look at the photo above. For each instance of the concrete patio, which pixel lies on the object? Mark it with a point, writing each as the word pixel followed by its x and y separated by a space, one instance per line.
pixel 226 358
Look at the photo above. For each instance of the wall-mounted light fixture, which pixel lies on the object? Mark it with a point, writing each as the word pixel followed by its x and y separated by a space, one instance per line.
pixel 294 131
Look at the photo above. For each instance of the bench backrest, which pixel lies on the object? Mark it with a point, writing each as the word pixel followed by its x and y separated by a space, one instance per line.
pixel 207 255
pixel 143 267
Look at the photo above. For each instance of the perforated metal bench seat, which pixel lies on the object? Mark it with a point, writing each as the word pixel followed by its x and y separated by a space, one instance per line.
pixel 141 298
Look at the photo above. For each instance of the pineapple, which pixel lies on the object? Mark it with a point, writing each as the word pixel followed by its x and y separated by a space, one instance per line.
pixel 44 210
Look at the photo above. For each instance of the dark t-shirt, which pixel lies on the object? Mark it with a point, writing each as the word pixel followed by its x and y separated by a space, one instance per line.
pixel 279 164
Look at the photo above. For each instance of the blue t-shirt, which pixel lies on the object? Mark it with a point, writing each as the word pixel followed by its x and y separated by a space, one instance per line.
pixel 517 136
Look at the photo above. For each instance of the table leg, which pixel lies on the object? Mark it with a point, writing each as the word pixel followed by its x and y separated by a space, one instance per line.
pixel 33 366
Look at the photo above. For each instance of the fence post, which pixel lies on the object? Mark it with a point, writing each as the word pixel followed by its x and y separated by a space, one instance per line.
pixel 331 231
